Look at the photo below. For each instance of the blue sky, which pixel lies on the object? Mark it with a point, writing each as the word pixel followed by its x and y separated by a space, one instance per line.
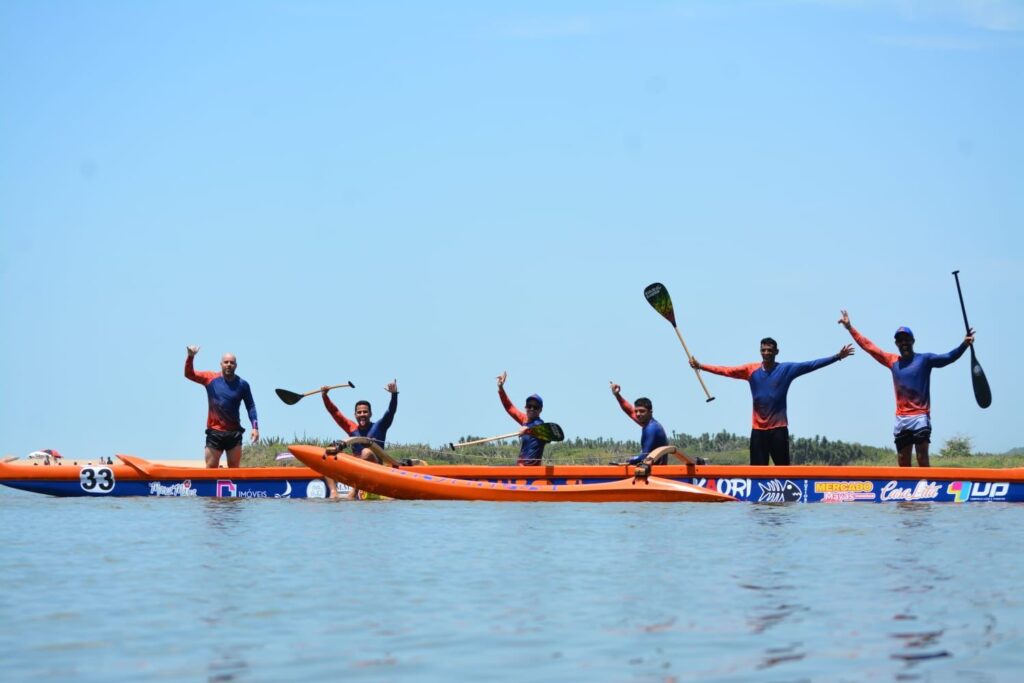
pixel 439 192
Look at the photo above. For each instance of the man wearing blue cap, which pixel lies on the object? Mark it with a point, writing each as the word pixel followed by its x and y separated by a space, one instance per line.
pixel 531 449
pixel 911 377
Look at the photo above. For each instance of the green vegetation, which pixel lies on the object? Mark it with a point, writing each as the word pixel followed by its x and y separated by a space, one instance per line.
pixel 723 448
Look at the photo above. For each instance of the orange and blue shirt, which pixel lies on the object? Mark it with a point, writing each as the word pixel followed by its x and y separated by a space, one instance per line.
pixel 769 389
pixel 225 399
pixel 651 436
pixel 378 431
pixel 911 378
pixel 531 449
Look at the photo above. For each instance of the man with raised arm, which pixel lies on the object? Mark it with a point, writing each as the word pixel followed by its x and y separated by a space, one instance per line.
pixel 225 392
pixel 377 431
pixel 769 384
pixel 911 378
pixel 531 449
pixel 652 434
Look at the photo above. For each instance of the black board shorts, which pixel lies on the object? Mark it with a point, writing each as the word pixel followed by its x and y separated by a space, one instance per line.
pixel 913 436
pixel 223 441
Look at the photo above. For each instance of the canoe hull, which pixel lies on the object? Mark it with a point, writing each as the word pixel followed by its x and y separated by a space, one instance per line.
pixel 407 484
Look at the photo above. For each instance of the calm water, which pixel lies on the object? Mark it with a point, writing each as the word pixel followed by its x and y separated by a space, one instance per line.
pixel 249 590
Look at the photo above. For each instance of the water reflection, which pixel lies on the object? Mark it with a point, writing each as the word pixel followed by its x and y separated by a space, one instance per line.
pixel 917 572
pixel 777 600
pixel 225 666
pixel 224 514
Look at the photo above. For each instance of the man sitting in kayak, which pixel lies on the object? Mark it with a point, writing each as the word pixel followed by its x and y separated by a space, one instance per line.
pixel 225 392
pixel 378 431
pixel 911 377
pixel 652 434
pixel 531 449
pixel 769 384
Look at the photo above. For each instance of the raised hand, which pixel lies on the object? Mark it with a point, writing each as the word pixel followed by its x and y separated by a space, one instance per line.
pixel 844 320
pixel 192 350
pixel 501 379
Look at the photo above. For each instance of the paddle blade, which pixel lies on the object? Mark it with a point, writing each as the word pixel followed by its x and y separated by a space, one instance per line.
pixel 657 296
pixel 547 431
pixel 982 393
pixel 289 397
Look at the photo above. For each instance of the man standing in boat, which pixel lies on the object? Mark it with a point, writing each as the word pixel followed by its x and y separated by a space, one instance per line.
pixel 531 449
pixel 769 384
pixel 911 377
pixel 377 431
pixel 225 392
pixel 652 434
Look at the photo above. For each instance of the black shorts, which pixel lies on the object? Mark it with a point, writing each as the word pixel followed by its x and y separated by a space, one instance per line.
pixel 223 441
pixel 913 436
pixel 773 443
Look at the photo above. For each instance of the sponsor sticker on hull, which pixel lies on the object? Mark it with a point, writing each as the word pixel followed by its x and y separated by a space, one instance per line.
pixel 845 491
pixel 183 489
pixel 963 491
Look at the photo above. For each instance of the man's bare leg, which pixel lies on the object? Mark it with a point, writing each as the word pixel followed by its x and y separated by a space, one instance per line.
pixel 212 458
pixel 922 455
pixel 235 456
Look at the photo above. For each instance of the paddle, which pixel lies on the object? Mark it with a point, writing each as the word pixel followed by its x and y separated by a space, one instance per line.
pixel 657 296
pixel 982 393
pixel 546 431
pixel 291 398
pixel 374 447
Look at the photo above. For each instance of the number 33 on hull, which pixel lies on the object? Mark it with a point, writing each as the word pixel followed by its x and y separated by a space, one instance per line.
pixel 133 476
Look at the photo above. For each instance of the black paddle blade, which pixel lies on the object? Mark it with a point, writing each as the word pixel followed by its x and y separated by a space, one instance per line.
pixel 548 431
pixel 289 397
pixel 657 296
pixel 982 393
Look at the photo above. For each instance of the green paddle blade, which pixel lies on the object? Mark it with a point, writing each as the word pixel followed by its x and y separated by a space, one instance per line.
pixel 548 431
pixel 289 397
pixel 657 296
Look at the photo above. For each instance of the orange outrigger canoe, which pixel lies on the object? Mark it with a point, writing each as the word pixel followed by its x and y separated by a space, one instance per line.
pixel 685 481
pixel 409 484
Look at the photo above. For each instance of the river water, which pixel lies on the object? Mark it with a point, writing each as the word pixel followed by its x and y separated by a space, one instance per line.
pixel 270 590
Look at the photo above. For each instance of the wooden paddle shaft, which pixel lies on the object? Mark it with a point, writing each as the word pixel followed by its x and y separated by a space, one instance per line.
pixel 335 386
pixel 488 439
pixel 695 370
pixel 374 447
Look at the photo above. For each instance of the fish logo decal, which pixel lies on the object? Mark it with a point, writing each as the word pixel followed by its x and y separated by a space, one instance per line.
pixel 775 491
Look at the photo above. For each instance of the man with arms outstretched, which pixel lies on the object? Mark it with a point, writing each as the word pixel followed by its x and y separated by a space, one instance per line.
pixel 769 384
pixel 911 378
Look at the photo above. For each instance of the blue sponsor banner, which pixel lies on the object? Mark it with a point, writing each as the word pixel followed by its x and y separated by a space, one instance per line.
pixel 183 488
pixel 798 490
